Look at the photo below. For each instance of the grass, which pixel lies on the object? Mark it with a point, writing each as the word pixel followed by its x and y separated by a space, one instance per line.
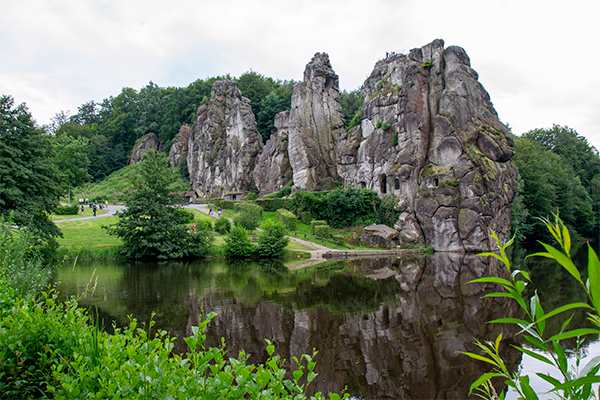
pixel 88 233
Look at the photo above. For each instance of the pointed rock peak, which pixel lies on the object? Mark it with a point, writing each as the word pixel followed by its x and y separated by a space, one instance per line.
pixel 319 68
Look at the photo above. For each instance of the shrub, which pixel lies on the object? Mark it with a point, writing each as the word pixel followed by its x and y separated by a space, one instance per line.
pixel 274 204
pixel 287 218
pixel 67 210
pixel 204 225
pixel 316 223
pixel 306 217
pixel 239 243
pixel 223 226
pixel 322 231
pixel 248 215
pixel 272 240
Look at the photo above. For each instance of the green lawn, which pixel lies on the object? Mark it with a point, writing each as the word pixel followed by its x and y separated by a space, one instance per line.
pixel 87 233
pixel 87 212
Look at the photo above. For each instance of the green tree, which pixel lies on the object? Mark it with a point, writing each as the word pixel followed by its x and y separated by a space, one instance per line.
pixel 550 186
pixel 29 179
pixel 72 159
pixel 352 103
pixel 248 215
pixel 238 243
pixel 152 226
pixel 272 239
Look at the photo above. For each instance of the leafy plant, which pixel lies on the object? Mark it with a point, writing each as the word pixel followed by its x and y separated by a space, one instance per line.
pixel 574 381
pixel 272 240
pixel 239 243
pixel 223 226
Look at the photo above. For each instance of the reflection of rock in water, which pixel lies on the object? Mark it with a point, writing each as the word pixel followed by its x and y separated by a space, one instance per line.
pixel 406 349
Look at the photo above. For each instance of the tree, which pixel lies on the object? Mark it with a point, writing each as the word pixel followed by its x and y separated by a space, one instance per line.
pixel 152 226
pixel 238 243
pixel 29 189
pixel 72 159
pixel 271 239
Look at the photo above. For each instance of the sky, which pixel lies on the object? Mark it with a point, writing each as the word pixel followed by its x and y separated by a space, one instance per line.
pixel 537 59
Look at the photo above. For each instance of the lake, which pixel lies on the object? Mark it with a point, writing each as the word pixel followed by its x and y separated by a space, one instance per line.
pixel 384 328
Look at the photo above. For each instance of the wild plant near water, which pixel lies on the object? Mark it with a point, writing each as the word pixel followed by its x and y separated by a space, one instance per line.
pixel 575 380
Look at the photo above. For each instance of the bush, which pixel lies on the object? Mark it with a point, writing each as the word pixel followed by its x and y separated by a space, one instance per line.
pixel 272 240
pixel 239 243
pixel 306 217
pixel 287 218
pixel 248 215
pixel 274 204
pixel 322 231
pixel 223 226
pixel 204 225
pixel 315 223
pixel 68 210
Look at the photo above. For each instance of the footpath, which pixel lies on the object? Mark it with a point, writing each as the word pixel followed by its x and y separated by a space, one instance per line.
pixel 321 253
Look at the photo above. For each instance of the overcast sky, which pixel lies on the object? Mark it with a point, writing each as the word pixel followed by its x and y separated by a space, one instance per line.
pixel 537 59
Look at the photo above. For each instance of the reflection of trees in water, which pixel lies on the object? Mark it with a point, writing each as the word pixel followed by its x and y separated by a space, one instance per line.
pixel 403 343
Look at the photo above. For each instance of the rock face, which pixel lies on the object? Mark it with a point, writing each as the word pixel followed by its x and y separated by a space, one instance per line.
pixel 273 170
pixel 379 236
pixel 224 143
pixel 430 136
pixel 315 123
pixel 143 144
pixel 179 147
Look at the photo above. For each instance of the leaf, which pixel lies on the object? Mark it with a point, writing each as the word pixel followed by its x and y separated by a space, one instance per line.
pixel 593 363
pixel 480 358
pixel 564 261
pixel 567 240
pixel 577 383
pixel 534 355
pixel 492 279
pixel 563 309
pixel 553 381
pixel 594 277
pixel 562 360
pixel 483 378
pixel 527 390
pixel 508 321
pixel 575 333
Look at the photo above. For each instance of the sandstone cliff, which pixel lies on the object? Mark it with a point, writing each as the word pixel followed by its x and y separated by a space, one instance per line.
pixel 315 123
pixel 223 143
pixel 179 147
pixel 430 136
pixel 143 144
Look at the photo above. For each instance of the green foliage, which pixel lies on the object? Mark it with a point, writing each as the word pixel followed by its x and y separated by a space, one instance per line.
pixel 574 381
pixel 550 184
pixel 379 124
pixel 67 210
pixel 322 231
pixel 239 243
pixel 151 226
pixel 271 239
pixel 351 103
pixel 273 204
pixel 306 217
pixel 315 223
pixel 248 215
pixel 287 218
pixel 346 207
pixel 29 178
pixel 223 225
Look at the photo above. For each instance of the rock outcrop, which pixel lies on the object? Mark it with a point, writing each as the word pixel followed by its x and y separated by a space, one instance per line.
pixel 430 136
pixel 224 143
pixel 179 148
pixel 273 170
pixel 315 123
pixel 142 145
pixel 379 236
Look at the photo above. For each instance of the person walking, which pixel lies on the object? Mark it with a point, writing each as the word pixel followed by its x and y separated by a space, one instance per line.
pixel 219 211
pixel 94 208
pixel 82 209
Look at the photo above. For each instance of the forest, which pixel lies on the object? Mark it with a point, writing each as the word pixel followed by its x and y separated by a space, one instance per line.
pixel 559 170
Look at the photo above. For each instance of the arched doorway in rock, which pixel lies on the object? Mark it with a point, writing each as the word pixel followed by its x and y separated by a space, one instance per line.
pixel 383 184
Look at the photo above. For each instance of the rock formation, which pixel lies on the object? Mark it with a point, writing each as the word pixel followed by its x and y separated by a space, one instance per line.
pixel 273 170
pixel 179 147
pixel 142 145
pixel 429 135
pixel 224 143
pixel 315 122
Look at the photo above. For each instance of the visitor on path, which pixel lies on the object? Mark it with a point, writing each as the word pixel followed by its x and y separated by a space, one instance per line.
pixel 94 208
pixel 210 210
pixel 82 209
pixel 219 211
pixel 106 204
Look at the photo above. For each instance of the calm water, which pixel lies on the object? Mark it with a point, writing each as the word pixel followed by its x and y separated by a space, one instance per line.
pixel 385 328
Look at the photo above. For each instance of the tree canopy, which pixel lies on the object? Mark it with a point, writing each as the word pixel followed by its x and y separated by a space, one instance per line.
pixel 29 177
